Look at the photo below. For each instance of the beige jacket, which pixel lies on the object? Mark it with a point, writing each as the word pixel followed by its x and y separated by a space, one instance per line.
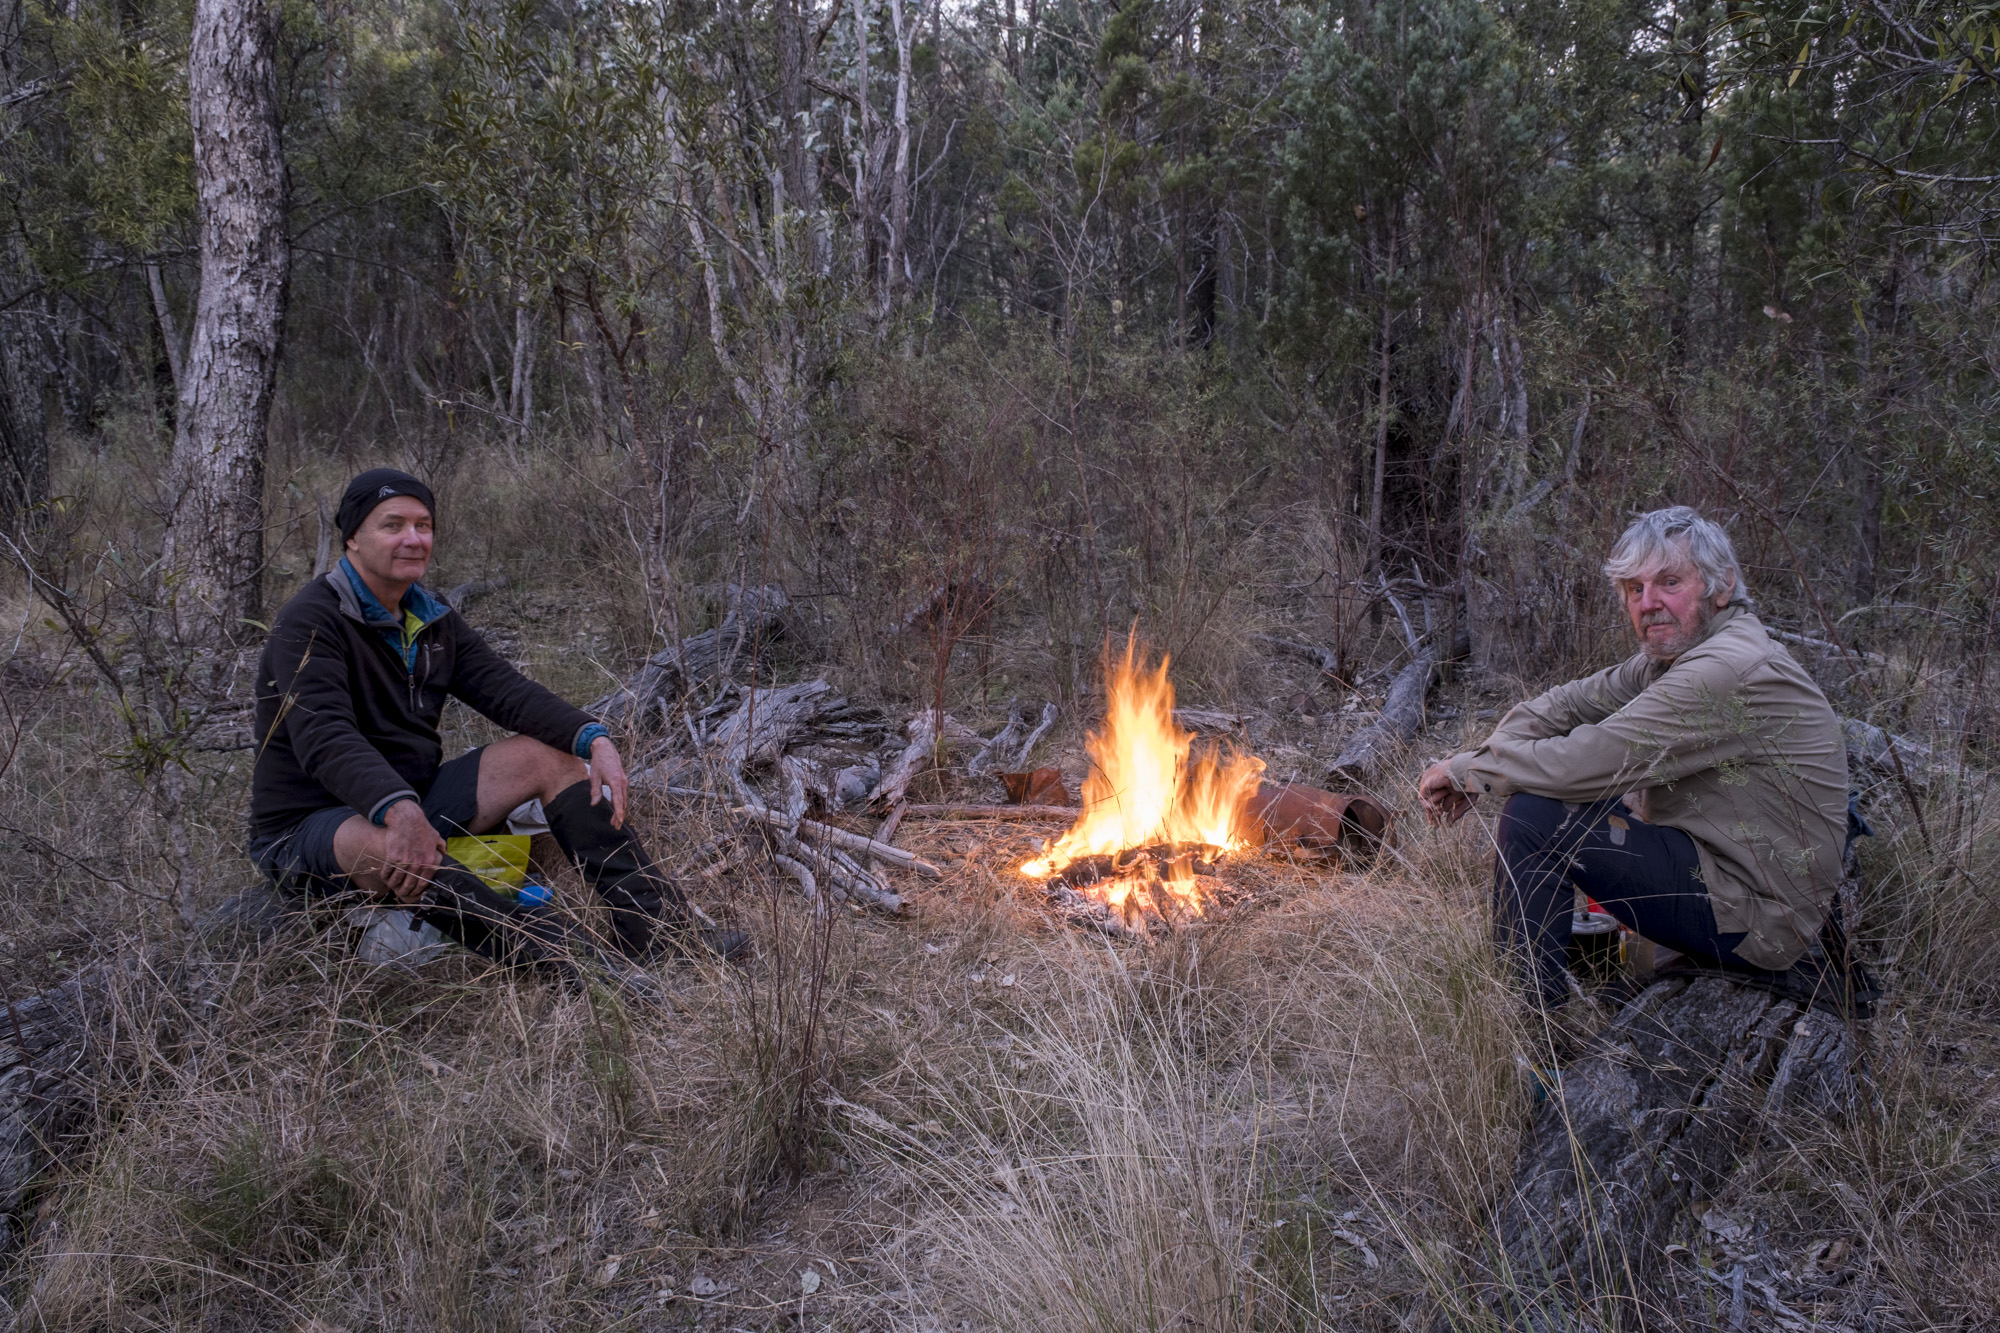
pixel 1731 743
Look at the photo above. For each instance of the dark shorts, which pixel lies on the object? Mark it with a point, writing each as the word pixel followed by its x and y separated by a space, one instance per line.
pixel 300 860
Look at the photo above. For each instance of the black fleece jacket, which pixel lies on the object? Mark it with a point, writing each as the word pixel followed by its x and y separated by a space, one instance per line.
pixel 341 720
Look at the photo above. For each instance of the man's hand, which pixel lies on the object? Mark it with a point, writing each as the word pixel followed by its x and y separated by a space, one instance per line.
pixel 1443 803
pixel 605 769
pixel 411 851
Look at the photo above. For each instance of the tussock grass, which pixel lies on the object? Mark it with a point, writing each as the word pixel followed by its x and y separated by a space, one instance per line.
pixel 1297 1114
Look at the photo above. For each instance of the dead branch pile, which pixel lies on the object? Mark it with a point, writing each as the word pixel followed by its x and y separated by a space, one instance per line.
pixel 790 758
pixel 713 656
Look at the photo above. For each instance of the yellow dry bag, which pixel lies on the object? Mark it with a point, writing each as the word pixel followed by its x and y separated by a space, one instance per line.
pixel 500 859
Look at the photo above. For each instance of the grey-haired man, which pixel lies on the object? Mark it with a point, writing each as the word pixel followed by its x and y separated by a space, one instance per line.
pixel 1731 851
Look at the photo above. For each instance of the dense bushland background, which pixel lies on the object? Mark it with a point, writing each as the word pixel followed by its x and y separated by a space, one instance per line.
pixel 1222 318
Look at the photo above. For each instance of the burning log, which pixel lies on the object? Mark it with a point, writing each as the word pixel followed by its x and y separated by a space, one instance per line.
pixel 1156 813
pixel 1161 859
pixel 1090 913
pixel 681 668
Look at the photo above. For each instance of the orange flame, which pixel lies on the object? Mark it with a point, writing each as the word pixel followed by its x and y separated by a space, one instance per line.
pixel 1145 788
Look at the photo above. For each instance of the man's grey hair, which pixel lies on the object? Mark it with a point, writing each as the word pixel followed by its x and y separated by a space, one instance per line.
pixel 1665 535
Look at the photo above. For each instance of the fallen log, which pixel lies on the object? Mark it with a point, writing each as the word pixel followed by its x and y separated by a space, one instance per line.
pixel 768 721
pixel 465 592
pixel 1870 747
pixel 51 1044
pixel 42 1040
pixel 814 865
pixel 1325 659
pixel 995 751
pixel 754 618
pixel 924 732
pixel 1041 728
pixel 1401 717
pixel 1652 1115
pixel 1209 719
pixel 923 740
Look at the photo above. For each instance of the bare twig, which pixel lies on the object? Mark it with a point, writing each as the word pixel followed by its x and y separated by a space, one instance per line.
pixel 993 811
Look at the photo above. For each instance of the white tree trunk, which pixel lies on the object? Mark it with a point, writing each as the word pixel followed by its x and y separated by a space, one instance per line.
pixel 215 529
pixel 899 182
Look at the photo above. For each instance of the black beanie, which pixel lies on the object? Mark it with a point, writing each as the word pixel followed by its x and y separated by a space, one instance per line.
pixel 372 488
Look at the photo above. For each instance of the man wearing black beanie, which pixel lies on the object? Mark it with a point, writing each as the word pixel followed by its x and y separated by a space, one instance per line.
pixel 351 790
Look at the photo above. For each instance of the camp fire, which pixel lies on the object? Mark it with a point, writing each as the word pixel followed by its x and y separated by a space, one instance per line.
pixel 1156 814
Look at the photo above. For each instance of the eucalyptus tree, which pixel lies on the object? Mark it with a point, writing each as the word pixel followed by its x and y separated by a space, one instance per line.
pixel 215 522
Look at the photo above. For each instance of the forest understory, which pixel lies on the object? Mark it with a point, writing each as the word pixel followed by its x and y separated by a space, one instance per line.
pixel 1299 1112
pixel 1301 343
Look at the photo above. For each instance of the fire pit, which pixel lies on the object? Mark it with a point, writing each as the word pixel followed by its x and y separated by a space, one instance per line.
pixel 1160 814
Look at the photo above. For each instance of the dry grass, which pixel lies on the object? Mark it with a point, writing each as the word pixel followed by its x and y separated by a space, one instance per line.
pixel 1296 1115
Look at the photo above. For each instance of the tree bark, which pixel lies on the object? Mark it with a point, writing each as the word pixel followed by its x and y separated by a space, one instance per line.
pixel 215 529
pixel 899 181
pixel 24 446
pixel 1879 352
pixel 1652 1116
pixel 24 441
pixel 163 315
pixel 50 1046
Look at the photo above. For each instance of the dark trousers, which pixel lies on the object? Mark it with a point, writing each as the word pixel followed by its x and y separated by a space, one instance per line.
pixel 1646 875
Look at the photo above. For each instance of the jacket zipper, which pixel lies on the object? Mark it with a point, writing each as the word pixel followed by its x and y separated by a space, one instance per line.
pixel 409 668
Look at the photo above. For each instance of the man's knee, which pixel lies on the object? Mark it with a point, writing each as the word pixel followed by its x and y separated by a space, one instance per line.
pixel 527 767
pixel 561 767
pixel 1526 823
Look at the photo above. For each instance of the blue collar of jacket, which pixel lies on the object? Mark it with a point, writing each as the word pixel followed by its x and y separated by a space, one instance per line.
pixel 363 605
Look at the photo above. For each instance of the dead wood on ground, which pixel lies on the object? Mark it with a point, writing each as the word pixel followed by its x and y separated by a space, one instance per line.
pixel 1653 1115
pixel 753 620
